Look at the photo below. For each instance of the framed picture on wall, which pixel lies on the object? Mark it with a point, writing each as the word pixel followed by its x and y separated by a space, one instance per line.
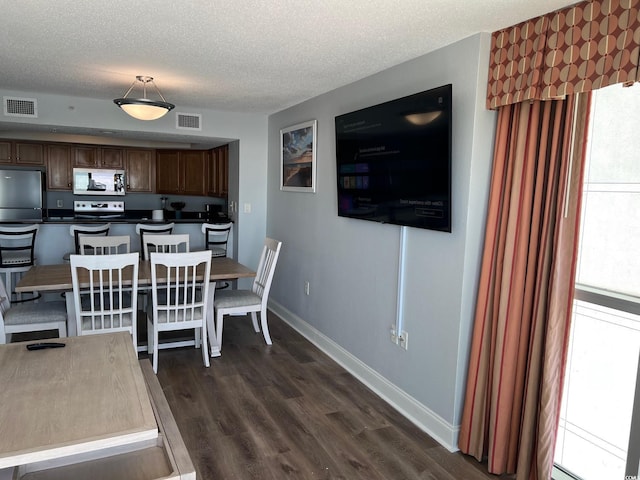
pixel 298 157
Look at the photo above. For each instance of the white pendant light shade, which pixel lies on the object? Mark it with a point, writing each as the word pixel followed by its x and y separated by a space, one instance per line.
pixel 144 108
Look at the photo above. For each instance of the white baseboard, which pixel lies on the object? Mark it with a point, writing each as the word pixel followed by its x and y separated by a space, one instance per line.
pixel 430 422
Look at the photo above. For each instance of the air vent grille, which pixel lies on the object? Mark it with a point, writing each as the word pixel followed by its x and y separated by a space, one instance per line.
pixel 20 107
pixel 189 121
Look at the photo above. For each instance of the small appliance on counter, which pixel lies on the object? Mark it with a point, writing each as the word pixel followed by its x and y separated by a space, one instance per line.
pixel 21 195
pixel 214 213
pixel 98 210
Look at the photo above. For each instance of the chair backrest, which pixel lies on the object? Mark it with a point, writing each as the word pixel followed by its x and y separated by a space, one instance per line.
pixel 266 268
pixel 105 245
pixel 78 231
pixel 17 245
pixel 143 229
pixel 180 286
pixel 105 293
pixel 216 237
pixel 176 243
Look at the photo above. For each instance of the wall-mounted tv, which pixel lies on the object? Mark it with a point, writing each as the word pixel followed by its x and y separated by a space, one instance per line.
pixel 394 161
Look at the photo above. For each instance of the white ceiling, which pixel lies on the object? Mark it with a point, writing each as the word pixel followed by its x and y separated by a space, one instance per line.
pixel 256 56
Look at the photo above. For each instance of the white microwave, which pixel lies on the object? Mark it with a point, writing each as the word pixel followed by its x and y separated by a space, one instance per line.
pixel 98 181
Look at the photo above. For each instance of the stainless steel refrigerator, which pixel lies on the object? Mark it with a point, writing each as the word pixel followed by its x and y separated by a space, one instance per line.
pixel 21 195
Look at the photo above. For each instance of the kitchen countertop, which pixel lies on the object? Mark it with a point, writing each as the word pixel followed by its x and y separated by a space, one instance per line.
pixel 134 216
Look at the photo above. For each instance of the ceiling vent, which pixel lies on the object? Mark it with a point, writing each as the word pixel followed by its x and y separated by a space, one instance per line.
pixel 20 107
pixel 189 121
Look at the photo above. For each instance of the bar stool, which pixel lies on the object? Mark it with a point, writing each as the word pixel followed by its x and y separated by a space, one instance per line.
pixel 216 237
pixel 77 231
pixel 17 252
pixel 142 228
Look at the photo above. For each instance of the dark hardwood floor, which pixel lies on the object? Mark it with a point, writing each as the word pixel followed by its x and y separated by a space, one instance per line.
pixel 290 412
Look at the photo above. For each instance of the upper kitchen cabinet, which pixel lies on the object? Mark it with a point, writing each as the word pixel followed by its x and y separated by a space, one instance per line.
pixel 100 157
pixel 218 172
pixel 59 167
pixel 181 172
pixel 22 153
pixel 140 171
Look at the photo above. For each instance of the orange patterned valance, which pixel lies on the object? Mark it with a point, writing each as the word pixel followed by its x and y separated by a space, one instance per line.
pixel 583 47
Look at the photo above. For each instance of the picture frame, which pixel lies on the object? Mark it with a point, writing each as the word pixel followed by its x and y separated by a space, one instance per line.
pixel 298 157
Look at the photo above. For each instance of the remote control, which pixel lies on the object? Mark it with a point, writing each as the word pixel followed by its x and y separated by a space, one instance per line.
pixel 40 346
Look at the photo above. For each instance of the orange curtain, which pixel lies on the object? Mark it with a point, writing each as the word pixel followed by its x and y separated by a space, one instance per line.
pixel 586 46
pixel 522 317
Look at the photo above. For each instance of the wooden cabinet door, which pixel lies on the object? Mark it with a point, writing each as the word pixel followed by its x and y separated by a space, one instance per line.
pixel 193 172
pixel 85 157
pixel 140 170
pixel 223 171
pixel 29 153
pixel 6 149
pixel 218 172
pixel 59 169
pixel 168 171
pixel 111 157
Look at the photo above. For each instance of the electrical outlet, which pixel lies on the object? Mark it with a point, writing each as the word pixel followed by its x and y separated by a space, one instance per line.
pixel 403 340
pixel 306 288
pixel 59 204
pixel 394 335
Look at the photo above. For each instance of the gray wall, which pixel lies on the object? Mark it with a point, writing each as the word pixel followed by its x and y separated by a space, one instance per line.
pixel 352 265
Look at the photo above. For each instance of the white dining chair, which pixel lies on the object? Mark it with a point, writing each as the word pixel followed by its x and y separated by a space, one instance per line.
pixel 168 243
pixel 105 293
pixel 30 317
pixel 17 252
pixel 180 300
pixel 216 237
pixel 143 229
pixel 241 302
pixel 105 245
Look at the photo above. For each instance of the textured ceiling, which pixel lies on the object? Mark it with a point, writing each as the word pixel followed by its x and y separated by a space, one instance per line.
pixel 236 55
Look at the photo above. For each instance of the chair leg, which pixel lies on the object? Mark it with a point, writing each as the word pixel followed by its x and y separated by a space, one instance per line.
pixel 155 351
pixel 8 286
pixel 265 327
pixel 254 319
pixel 62 329
pixel 219 317
pixel 149 336
pixel 205 350
pixel 197 337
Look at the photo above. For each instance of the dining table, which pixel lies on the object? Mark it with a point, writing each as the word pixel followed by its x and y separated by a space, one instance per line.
pixel 86 396
pixel 57 278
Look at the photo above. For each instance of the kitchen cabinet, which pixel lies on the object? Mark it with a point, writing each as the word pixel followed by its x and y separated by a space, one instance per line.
pixel 59 167
pixel 218 172
pixel 140 172
pixel 22 153
pixel 181 172
pixel 101 157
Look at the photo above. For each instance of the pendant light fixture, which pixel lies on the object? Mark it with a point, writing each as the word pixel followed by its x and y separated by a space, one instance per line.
pixel 144 108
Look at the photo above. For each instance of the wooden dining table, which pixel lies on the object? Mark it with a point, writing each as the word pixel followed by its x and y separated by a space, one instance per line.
pixel 57 278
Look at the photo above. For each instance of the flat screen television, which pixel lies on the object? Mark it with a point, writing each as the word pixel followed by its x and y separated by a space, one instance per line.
pixel 97 181
pixel 394 161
